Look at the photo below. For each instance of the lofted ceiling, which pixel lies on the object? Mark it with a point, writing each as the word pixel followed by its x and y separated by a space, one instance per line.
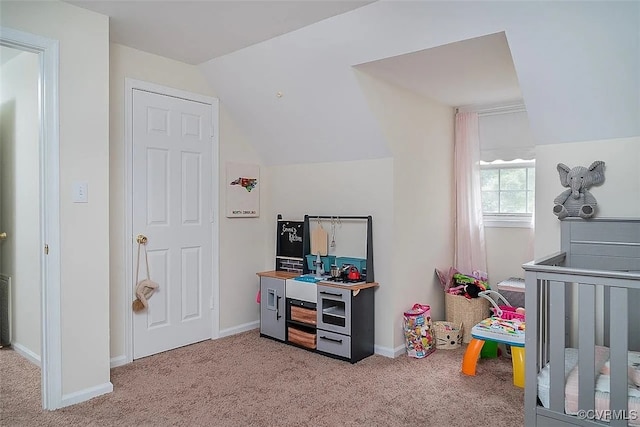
pixel 285 70
pixel 471 72
pixel 195 31
pixel 476 71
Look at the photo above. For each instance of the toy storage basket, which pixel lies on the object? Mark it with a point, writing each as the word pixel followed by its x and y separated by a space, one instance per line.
pixel 418 333
pixel 448 335
pixel 465 311
pixel 504 311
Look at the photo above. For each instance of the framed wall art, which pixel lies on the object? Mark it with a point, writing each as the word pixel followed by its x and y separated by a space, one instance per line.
pixel 242 190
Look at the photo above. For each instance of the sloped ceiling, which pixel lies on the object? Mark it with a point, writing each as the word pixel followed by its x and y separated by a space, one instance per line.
pixel 297 97
pixel 286 71
pixel 465 73
pixel 194 31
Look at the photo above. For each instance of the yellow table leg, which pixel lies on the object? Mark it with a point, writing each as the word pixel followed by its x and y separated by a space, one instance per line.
pixel 471 356
pixel 517 359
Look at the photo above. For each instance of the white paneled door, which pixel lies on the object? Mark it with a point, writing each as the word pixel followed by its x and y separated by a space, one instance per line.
pixel 172 207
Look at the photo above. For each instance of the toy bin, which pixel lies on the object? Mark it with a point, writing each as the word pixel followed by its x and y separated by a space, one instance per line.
pixel 448 335
pixel 467 311
pixel 418 333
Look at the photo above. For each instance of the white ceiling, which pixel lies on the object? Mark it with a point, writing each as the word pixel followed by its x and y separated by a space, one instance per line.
pixel 469 72
pixel 578 74
pixel 472 72
pixel 197 31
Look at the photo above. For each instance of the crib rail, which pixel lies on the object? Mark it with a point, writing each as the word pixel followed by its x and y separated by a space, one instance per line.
pixel 565 304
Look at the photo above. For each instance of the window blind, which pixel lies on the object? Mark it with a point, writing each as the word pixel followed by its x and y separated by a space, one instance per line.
pixel 505 136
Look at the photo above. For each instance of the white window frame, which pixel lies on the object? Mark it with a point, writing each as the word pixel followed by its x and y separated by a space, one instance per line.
pixel 503 220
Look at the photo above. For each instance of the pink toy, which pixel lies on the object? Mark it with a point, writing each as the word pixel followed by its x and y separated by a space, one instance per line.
pixel 505 311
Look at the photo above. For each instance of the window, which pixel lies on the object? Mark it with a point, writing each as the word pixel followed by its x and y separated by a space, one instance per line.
pixel 508 190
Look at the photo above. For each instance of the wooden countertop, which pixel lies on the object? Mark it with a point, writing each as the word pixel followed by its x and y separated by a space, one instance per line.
pixel 278 274
pixel 289 275
pixel 352 287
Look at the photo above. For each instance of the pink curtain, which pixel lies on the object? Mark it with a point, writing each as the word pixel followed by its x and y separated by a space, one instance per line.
pixel 470 253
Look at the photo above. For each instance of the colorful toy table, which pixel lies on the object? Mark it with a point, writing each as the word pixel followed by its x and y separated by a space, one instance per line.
pixel 509 332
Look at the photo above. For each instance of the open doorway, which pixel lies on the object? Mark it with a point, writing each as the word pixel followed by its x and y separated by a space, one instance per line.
pixel 30 142
pixel 20 268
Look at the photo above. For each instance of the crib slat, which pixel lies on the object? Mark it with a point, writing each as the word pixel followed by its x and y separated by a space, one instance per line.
pixel 531 346
pixel 556 344
pixel 618 335
pixel 586 345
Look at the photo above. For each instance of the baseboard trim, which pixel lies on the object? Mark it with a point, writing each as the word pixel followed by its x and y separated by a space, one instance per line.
pixel 86 394
pixel 26 353
pixel 388 352
pixel 118 361
pixel 239 329
pixel 400 351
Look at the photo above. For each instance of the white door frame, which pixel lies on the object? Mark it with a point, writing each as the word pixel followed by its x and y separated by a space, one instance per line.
pixel 48 107
pixel 129 238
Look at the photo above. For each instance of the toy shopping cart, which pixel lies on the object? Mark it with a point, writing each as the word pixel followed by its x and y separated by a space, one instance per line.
pixel 504 311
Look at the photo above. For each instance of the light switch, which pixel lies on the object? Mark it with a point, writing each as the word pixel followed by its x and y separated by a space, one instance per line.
pixel 80 192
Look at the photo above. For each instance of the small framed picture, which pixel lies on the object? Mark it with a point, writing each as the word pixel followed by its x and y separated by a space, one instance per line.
pixel 243 190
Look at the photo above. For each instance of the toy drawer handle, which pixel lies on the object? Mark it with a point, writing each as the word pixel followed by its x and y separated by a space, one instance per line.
pixel 331 339
pixel 330 293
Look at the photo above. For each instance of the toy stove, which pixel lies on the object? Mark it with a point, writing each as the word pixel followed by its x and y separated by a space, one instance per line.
pixel 345 280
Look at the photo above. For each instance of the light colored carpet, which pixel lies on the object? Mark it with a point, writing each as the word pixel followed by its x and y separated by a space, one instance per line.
pixel 245 380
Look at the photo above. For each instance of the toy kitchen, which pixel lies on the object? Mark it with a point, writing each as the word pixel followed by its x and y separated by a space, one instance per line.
pixel 320 297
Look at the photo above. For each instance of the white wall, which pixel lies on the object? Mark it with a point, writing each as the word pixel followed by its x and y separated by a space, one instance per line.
pixel 245 247
pixel 618 196
pixel 20 215
pixel 420 135
pixel 240 255
pixel 507 249
pixel 341 188
pixel 84 156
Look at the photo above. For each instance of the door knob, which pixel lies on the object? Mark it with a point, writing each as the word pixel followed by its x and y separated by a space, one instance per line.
pixel 3 235
pixel 141 239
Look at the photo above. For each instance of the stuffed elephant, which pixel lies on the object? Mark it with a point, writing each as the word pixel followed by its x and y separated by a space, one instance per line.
pixel 577 200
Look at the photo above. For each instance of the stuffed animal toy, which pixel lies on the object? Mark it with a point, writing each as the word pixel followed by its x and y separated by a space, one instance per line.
pixel 577 200
pixel 473 289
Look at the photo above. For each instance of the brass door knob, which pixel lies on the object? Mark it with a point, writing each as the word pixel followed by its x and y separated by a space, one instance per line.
pixel 141 239
pixel 3 235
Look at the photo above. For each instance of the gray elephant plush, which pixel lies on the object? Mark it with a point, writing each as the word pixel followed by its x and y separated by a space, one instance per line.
pixel 577 200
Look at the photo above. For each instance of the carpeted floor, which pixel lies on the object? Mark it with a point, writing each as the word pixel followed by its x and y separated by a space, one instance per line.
pixel 245 380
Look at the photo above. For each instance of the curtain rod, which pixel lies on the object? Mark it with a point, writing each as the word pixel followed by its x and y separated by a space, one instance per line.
pixel 516 107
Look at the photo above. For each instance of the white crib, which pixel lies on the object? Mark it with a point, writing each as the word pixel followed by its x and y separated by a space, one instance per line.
pixel 585 296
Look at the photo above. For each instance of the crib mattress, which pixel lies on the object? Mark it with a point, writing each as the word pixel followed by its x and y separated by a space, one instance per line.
pixel 571 388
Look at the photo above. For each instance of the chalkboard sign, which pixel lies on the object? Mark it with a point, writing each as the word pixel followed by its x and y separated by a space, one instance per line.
pixel 289 239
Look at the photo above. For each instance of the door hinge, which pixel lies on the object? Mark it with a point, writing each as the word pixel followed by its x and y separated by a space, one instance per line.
pixel 46 249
